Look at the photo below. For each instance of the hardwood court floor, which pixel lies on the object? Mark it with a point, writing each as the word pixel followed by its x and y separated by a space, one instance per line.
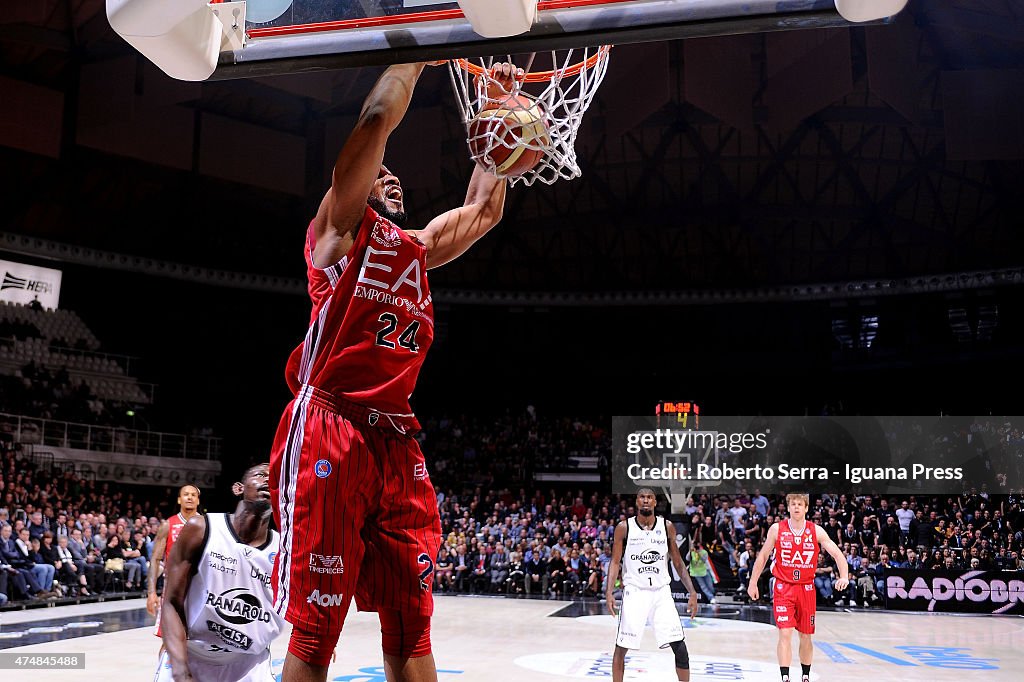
pixel 504 640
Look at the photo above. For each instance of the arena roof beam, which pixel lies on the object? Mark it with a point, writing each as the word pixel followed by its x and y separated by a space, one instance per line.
pixel 35 36
pixel 960 19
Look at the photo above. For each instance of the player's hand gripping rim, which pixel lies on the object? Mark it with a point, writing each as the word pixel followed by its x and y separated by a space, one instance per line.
pixel 501 83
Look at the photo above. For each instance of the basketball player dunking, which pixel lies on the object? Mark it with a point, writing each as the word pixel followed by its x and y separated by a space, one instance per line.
pixel 188 505
pixel 352 497
pixel 795 543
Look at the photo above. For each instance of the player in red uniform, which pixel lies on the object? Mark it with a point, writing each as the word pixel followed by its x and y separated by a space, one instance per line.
pixel 188 506
pixel 353 501
pixel 795 543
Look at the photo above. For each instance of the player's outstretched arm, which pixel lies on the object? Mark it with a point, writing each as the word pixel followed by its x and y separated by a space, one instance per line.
pixel 186 555
pixel 677 562
pixel 155 566
pixel 450 234
pixel 762 560
pixel 833 549
pixel 358 163
pixel 613 566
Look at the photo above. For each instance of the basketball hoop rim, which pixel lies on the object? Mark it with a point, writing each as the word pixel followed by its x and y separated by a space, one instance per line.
pixel 543 76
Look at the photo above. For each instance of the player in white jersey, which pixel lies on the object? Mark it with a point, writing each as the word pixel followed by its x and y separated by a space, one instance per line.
pixel 219 617
pixel 643 547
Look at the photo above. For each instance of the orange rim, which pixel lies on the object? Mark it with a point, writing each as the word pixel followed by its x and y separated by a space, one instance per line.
pixel 541 76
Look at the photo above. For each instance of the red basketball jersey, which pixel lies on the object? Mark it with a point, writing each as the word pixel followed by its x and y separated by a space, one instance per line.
pixel 175 524
pixel 372 320
pixel 796 556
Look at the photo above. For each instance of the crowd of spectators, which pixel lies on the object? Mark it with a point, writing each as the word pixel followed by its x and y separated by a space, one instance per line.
pixel 495 451
pixel 559 543
pixel 61 535
pixel 500 538
pixel 503 535
pixel 974 530
pixel 546 544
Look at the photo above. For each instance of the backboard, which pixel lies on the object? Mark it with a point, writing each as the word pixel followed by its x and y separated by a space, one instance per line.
pixel 287 36
pixel 218 39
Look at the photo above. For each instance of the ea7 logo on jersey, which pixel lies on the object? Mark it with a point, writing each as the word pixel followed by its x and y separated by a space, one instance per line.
pixel 319 563
pixel 325 599
pixel 374 260
pixel 419 471
pixel 386 234
pixel 790 557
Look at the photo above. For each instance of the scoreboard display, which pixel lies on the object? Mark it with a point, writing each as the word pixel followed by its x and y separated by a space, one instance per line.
pixel 678 415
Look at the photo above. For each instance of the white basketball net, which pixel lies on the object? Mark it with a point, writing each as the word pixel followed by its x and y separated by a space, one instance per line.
pixel 561 94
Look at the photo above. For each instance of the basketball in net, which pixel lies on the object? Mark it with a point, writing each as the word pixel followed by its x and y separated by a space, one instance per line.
pixel 509 135
pixel 524 128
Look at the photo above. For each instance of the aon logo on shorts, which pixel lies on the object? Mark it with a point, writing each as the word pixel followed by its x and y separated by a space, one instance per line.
pixel 324 599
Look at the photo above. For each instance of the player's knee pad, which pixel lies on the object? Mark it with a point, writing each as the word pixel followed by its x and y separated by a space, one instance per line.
pixel 682 655
pixel 312 648
pixel 406 635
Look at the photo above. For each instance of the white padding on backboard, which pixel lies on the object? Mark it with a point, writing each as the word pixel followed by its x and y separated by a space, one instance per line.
pixel 182 37
pixel 869 10
pixel 499 18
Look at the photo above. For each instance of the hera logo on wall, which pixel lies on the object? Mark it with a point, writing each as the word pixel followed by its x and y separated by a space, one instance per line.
pixel 23 283
pixel 39 286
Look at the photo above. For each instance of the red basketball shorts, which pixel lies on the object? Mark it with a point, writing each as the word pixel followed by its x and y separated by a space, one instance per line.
pixel 794 606
pixel 356 511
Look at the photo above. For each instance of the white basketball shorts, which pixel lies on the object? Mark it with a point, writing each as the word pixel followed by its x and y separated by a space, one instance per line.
pixel 641 608
pixel 236 668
